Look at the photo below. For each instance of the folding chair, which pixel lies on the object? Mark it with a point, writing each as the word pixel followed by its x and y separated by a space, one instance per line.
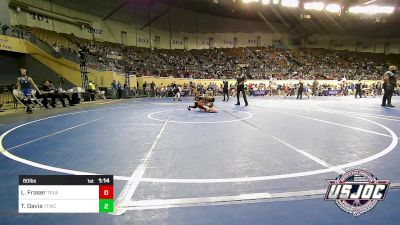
pixel 37 102
pixel 99 95
pixel 18 96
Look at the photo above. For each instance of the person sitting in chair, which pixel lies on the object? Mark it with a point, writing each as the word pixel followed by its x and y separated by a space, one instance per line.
pixel 48 92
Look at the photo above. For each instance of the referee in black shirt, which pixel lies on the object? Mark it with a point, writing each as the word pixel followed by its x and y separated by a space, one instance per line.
pixel 300 90
pixel 225 88
pixel 240 80
pixel 358 88
pixel 389 84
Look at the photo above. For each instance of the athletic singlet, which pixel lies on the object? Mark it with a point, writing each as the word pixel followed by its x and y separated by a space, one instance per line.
pixel 201 104
pixel 24 82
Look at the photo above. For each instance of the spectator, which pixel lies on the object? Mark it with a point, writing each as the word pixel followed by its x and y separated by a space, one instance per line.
pixel 144 86
pixel 152 88
pixel 114 89
pixel 91 90
pixel 126 90
pixel 4 29
pixel 119 89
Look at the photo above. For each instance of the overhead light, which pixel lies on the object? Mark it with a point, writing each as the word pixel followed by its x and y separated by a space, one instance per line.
pixel 369 2
pixel 290 3
pixel 249 1
pixel 371 9
pixel 314 6
pixel 265 2
pixel 275 2
pixel 333 8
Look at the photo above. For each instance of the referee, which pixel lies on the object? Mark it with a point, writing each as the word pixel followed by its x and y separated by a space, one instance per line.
pixel 300 90
pixel 225 88
pixel 358 88
pixel 389 83
pixel 240 80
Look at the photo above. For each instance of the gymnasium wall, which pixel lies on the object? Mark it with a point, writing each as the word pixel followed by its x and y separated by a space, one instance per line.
pixel 354 43
pixel 10 62
pixel 4 14
pixel 40 73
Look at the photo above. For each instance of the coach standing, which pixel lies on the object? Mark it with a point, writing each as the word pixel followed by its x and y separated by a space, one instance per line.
pixel 389 83
pixel 240 80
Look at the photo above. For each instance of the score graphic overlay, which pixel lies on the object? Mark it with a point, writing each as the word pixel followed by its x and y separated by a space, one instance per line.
pixel 66 194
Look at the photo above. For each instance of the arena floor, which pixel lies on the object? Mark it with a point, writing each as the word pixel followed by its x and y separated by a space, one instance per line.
pixel 262 164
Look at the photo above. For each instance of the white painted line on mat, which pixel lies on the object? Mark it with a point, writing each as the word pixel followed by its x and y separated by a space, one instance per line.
pixel 378 155
pixel 381 117
pixel 319 161
pixel 47 167
pixel 333 123
pixel 52 134
pixel 227 200
pixel 140 124
pixel 151 116
pixel 354 107
pixel 134 180
pixel 190 201
pixel 359 162
pixel 306 154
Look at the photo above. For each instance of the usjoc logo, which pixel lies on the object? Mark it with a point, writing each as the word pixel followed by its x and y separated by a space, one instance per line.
pixel 356 191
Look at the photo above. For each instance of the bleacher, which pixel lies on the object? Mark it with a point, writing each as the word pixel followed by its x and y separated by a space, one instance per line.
pixel 261 62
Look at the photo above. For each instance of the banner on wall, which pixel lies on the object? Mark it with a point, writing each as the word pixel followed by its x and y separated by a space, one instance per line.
pixel 259 93
pixel 332 92
pixel 12 44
